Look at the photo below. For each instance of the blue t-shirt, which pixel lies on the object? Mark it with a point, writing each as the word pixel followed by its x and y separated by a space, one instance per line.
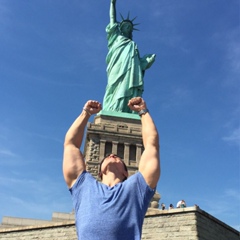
pixel 110 213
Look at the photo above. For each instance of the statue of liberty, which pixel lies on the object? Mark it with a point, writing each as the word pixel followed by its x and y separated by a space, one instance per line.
pixel 125 67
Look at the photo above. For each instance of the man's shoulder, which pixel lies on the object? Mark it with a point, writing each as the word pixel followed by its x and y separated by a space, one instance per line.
pixel 136 177
pixel 140 181
pixel 84 177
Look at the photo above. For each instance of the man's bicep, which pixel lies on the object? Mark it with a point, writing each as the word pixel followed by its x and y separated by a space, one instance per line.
pixel 149 166
pixel 73 164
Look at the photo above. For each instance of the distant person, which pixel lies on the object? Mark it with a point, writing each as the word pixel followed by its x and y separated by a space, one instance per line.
pixel 181 204
pixel 114 208
pixel 163 206
pixel 171 206
pixel 125 67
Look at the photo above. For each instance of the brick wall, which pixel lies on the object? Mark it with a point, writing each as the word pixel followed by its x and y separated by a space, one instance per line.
pixel 178 224
pixel 211 228
pixel 54 231
pixel 170 226
pixel 186 224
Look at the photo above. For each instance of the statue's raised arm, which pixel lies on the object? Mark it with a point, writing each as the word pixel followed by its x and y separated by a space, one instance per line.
pixel 112 12
pixel 125 67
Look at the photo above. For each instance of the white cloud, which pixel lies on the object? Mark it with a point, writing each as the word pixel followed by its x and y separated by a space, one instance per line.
pixel 6 152
pixel 177 96
pixel 233 194
pixel 233 51
pixel 228 42
pixel 233 137
pixel 224 206
pixel 19 207
pixel 33 198
pixel 4 13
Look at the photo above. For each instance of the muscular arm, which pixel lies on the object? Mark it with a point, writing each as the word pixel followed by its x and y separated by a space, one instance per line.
pixel 73 162
pixel 149 164
pixel 112 12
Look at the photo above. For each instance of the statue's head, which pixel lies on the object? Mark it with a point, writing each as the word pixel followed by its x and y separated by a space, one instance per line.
pixel 127 26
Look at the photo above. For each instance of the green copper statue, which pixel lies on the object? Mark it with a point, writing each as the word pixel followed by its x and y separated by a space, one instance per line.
pixel 125 67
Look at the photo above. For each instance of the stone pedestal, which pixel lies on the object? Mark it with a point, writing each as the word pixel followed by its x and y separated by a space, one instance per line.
pixel 119 134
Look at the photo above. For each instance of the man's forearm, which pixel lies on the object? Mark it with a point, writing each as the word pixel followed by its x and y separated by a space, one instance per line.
pixel 75 133
pixel 149 131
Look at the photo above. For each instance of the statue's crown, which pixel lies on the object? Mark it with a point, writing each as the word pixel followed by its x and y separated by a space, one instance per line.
pixel 130 21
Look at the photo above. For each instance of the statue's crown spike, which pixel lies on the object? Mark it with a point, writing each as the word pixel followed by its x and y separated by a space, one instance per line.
pixel 133 19
pixel 122 17
pixel 128 16
pixel 128 20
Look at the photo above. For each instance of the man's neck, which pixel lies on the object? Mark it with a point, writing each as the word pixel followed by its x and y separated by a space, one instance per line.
pixel 110 179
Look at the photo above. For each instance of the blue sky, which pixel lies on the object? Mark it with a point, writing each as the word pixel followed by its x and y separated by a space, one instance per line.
pixel 52 60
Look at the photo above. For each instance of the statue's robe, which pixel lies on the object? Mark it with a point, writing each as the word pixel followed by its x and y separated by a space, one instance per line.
pixel 124 71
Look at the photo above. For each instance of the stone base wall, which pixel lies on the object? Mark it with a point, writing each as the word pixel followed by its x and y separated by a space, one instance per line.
pixel 56 231
pixel 170 226
pixel 209 227
pixel 177 224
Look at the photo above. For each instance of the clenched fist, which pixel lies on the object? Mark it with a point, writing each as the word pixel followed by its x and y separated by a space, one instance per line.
pixel 137 104
pixel 92 107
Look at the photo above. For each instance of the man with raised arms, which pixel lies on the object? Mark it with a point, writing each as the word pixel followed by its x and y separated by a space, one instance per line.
pixel 114 208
